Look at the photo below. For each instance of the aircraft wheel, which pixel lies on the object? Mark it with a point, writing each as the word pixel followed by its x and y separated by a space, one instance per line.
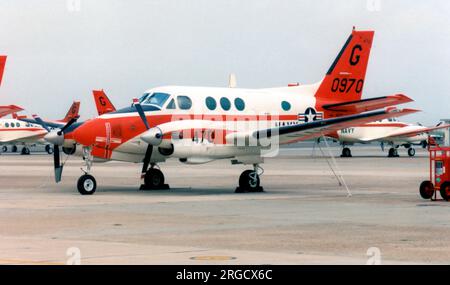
pixel 4 148
pixel 411 152
pixel 86 184
pixel 426 190
pixel 49 149
pixel 445 191
pixel 14 148
pixel 346 152
pixel 249 181
pixel 393 152
pixel 25 151
pixel 154 178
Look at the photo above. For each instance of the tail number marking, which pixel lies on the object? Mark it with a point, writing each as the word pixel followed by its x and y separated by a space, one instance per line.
pixel 345 85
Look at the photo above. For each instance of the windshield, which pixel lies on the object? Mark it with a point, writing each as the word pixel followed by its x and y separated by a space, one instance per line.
pixel 155 99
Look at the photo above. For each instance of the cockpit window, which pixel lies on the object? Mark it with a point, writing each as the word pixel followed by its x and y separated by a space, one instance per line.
pixel 184 102
pixel 155 99
pixel 392 120
pixel 171 105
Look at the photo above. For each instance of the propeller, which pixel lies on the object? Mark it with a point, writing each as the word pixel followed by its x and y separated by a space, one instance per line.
pixel 148 152
pixel 56 137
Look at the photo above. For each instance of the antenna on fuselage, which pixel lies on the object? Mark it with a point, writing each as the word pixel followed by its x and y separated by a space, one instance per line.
pixel 232 83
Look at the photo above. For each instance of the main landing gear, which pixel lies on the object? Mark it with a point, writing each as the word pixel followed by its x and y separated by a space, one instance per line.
pixel 250 181
pixel 411 152
pixel 393 152
pixel 153 179
pixel 346 152
pixel 25 151
pixel 86 183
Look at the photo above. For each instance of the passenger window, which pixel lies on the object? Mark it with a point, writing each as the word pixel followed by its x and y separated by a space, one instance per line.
pixel 18 125
pixel 12 125
pixel 225 103
pixel 184 102
pixel 6 125
pixel 239 104
pixel 211 103
pixel 171 105
pixel 286 106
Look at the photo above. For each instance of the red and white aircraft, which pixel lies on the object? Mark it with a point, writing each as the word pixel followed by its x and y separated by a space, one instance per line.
pixel 202 124
pixel 15 132
pixel 387 131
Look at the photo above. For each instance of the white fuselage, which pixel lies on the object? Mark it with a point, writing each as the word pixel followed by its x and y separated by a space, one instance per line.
pixel 382 131
pixel 13 131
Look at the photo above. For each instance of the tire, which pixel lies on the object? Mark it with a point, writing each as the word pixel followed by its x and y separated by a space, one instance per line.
pixel 346 152
pixel 25 151
pixel 393 152
pixel 49 149
pixel 426 190
pixel 86 184
pixel 247 180
pixel 14 148
pixel 4 148
pixel 154 178
pixel 445 191
pixel 411 152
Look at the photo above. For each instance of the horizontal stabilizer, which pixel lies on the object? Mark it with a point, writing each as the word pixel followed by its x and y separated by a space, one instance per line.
pixel 9 109
pixel 366 105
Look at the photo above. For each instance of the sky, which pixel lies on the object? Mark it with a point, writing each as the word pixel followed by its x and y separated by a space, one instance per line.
pixel 60 50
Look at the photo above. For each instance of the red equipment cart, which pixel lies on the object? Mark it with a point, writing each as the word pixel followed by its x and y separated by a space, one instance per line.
pixel 439 173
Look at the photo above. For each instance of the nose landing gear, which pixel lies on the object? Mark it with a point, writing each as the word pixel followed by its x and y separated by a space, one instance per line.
pixel 86 183
pixel 250 181
pixel 393 152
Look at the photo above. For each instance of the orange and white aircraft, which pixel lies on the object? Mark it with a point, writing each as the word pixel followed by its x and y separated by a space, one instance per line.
pixel 15 132
pixel 388 131
pixel 203 124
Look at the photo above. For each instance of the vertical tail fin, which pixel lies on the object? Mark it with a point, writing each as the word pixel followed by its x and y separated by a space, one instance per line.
pixel 102 102
pixel 73 112
pixel 344 80
pixel 2 66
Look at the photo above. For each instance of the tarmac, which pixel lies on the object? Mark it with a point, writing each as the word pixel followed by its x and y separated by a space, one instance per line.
pixel 303 217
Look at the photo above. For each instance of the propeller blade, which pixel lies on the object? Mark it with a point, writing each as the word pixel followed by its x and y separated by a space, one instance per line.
pixel 69 123
pixel 141 113
pixel 41 122
pixel 382 146
pixel 57 163
pixel 147 157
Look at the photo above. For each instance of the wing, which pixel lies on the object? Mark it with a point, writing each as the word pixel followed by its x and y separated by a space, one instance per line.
pixel 9 109
pixel 366 105
pixel 291 134
pixel 412 133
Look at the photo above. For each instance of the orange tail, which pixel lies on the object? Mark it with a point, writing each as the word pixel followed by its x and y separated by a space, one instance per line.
pixel 344 80
pixel 102 102
pixel 2 66
pixel 73 111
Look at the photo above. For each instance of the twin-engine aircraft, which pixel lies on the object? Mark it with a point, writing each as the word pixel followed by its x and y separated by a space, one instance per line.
pixel 203 124
pixel 15 132
pixel 387 132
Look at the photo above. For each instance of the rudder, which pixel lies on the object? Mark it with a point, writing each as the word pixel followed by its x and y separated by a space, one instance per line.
pixel 345 78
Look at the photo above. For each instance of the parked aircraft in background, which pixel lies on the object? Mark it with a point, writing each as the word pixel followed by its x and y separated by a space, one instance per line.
pixel 387 132
pixel 203 124
pixel 15 132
